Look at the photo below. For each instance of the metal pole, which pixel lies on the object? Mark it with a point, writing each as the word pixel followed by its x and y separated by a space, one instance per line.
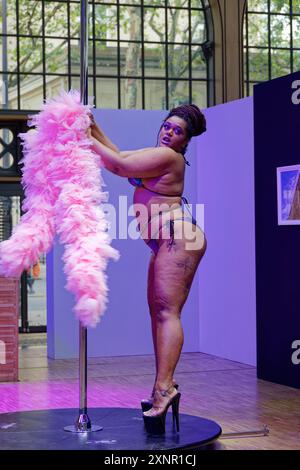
pixel 83 423
pixel 6 163
pixel 84 38
pixel 82 369
pixel 4 55
pixel 83 420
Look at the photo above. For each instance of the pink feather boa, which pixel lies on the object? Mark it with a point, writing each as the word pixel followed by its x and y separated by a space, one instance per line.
pixel 62 183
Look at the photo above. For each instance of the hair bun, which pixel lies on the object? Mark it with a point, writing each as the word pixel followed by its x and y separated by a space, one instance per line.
pixel 198 120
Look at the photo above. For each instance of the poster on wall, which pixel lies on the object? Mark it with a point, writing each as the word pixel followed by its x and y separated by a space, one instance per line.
pixel 288 195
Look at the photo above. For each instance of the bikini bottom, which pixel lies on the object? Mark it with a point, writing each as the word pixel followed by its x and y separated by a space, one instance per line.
pixel 153 243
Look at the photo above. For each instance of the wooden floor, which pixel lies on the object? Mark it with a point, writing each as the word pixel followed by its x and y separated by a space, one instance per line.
pixel 224 391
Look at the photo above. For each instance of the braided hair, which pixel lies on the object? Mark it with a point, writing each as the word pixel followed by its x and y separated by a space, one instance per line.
pixel 191 114
pixel 194 118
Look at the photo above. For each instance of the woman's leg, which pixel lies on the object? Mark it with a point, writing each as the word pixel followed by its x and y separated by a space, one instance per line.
pixel 151 304
pixel 150 296
pixel 174 270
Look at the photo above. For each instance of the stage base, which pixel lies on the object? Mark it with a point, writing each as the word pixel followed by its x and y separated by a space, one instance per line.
pixel 123 429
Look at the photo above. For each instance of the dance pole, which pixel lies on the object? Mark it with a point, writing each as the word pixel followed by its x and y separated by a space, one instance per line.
pixel 83 423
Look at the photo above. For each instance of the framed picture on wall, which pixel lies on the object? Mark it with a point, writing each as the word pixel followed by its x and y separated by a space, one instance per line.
pixel 288 195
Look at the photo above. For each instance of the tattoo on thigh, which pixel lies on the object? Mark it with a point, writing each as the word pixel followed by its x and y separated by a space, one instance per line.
pixel 172 246
pixel 186 264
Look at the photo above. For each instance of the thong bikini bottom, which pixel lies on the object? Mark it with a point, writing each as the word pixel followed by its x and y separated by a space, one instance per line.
pixel 153 242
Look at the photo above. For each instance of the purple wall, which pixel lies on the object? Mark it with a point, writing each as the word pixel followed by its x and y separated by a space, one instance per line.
pixel 225 178
pixel 125 327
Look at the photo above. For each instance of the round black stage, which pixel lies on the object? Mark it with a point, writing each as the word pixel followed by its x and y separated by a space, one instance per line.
pixel 123 429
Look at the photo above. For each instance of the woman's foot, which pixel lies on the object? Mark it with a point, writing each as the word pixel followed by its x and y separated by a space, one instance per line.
pixel 147 403
pixel 155 418
pixel 160 401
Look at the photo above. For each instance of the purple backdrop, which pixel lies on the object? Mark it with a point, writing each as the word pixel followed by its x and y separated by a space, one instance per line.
pixel 225 178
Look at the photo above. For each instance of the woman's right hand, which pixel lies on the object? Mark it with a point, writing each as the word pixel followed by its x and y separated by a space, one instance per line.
pixel 99 135
pixel 89 132
pixel 91 116
pixel 94 127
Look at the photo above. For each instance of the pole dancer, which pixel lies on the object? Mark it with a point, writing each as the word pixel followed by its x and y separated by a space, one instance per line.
pixel 176 241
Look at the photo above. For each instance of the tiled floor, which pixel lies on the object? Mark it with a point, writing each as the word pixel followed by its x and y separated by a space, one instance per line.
pixel 214 388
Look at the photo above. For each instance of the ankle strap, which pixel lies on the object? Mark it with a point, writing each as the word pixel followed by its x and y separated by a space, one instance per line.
pixel 165 393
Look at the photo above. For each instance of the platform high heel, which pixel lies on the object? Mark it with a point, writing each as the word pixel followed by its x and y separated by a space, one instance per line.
pixel 156 424
pixel 147 403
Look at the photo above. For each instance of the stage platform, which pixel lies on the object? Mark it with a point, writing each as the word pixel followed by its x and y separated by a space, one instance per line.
pixel 123 429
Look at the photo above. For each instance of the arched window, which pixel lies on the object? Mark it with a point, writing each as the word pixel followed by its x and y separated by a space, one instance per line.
pixel 271 40
pixel 147 54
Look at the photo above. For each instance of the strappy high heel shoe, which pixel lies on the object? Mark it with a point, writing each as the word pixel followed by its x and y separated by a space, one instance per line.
pixel 146 403
pixel 156 424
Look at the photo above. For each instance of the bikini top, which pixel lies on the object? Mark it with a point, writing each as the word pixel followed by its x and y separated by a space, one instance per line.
pixel 137 182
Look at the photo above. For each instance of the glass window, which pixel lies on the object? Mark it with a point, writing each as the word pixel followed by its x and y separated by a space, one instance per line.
pixel 107 93
pixel 198 27
pixel 155 24
pixel 31 91
pixel 131 60
pixel 29 20
pixel 280 62
pixel 134 48
pixel 258 29
pixel 55 16
pixel 178 61
pixel 106 58
pixel 8 91
pixel 130 23
pixel 271 40
pixel 296 32
pixel 56 56
pixel 9 58
pixel 254 5
pixel 74 22
pixel 30 54
pixel 155 94
pixel 296 6
pixel 198 63
pixel 296 60
pixel 178 92
pixel 178 25
pixel 279 6
pixel 200 93
pixel 105 21
pixel 131 93
pixel 155 60
pixel 280 31
pixel 258 64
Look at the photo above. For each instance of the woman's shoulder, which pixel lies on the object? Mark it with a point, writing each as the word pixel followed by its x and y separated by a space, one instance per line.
pixel 166 151
pixel 159 153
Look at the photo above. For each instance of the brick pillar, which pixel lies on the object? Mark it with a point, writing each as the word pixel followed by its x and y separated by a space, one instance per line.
pixel 9 319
